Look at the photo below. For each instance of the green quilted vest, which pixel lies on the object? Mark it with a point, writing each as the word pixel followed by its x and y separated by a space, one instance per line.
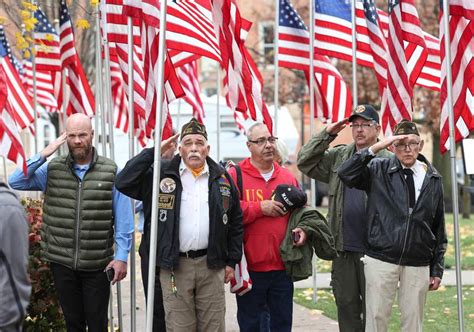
pixel 77 228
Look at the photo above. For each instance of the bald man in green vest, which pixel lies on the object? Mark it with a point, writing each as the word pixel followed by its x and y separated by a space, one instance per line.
pixel 83 215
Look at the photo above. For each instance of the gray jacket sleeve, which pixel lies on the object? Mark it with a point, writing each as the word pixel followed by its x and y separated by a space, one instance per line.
pixel 14 282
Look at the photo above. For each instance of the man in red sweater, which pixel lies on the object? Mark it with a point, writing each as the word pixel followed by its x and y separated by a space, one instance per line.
pixel 265 224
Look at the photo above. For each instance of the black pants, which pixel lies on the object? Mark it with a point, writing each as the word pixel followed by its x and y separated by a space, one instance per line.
pixel 84 298
pixel 159 324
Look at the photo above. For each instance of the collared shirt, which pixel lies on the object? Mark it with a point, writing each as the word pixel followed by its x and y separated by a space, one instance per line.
pixel 122 206
pixel 194 210
pixel 419 172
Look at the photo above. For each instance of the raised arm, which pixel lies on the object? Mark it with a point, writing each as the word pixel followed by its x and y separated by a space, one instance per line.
pixel 315 159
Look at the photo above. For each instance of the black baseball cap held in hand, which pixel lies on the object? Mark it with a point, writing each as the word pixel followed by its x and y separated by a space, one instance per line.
pixel 367 112
pixel 290 196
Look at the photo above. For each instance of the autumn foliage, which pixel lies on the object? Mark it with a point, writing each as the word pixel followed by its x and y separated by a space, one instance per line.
pixel 44 312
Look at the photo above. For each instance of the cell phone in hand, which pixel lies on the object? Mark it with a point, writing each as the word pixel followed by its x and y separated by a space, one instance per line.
pixel 110 274
pixel 296 237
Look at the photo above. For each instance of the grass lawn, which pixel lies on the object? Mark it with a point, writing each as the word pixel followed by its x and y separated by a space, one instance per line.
pixel 440 309
pixel 466 230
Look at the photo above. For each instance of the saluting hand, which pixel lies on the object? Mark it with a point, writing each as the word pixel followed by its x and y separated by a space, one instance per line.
pixel 168 143
pixel 53 146
pixel 336 127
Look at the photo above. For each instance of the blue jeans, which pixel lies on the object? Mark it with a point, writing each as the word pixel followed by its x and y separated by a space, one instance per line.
pixel 273 290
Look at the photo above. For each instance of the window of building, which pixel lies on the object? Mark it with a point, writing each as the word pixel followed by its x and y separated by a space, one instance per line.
pixel 47 134
pixel 267 39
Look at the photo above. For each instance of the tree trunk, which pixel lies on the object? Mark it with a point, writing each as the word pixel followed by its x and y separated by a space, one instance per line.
pixel 442 164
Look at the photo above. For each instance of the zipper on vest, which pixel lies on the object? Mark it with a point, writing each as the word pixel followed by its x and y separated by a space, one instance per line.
pixel 78 206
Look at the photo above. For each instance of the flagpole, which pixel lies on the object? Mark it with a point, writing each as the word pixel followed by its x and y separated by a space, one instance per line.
pixel 99 97
pixel 275 63
pixel 354 55
pixel 35 101
pixel 218 112
pixel 156 169
pixel 62 116
pixel 452 153
pixel 131 149
pixel 110 119
pixel 5 170
pixel 311 120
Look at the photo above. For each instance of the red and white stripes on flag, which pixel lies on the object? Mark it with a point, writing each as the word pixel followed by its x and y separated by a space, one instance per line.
pixel 461 25
pixel 188 76
pixel 119 99
pixel 333 37
pixel 10 142
pixel 20 105
pixel 242 85
pixel 333 101
pixel 406 57
pixel 44 87
pixel 79 97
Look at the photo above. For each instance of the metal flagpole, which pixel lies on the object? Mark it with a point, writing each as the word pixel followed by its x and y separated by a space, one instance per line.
pixel 156 169
pixel 99 96
pixel 131 149
pixel 63 111
pixel 354 55
pixel 218 112
pixel 35 97
pixel 452 153
pixel 110 118
pixel 311 121
pixel 275 63
pixel 111 310
pixel 5 170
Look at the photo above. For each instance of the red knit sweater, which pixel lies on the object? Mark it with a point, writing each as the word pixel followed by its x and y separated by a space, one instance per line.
pixel 262 234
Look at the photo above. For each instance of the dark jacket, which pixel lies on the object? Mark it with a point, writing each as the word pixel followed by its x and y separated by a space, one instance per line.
pixel 225 238
pixel 393 234
pixel 298 260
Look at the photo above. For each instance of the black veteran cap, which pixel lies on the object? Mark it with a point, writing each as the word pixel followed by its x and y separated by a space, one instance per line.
pixel 406 127
pixel 193 127
pixel 367 112
pixel 290 196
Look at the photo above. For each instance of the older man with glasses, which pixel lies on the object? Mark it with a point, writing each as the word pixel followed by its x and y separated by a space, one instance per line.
pixel 405 227
pixel 265 224
pixel 346 209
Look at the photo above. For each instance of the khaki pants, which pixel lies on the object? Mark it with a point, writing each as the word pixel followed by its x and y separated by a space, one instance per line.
pixel 382 280
pixel 199 304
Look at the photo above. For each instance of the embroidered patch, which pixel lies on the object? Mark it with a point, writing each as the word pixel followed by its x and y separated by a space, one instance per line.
pixel 166 202
pixel 360 109
pixel 167 185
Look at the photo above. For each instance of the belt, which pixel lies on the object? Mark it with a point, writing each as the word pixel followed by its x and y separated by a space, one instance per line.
pixel 193 253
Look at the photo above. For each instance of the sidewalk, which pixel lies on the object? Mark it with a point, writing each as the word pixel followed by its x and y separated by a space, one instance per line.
pixel 303 319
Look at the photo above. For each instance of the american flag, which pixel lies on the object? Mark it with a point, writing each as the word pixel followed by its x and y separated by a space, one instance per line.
pixel 189 29
pixel 10 142
pixel 406 56
pixel 461 25
pixel 47 56
pixel 44 86
pixel 333 100
pixel 242 82
pixel 19 104
pixel 79 97
pixel 188 76
pixel 333 37
pixel 120 105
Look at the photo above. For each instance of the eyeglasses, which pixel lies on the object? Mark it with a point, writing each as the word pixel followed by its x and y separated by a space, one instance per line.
pixel 411 145
pixel 263 140
pixel 362 125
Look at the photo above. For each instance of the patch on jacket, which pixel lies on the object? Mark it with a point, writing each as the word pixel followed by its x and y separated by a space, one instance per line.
pixel 166 201
pixel 224 187
pixel 167 185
